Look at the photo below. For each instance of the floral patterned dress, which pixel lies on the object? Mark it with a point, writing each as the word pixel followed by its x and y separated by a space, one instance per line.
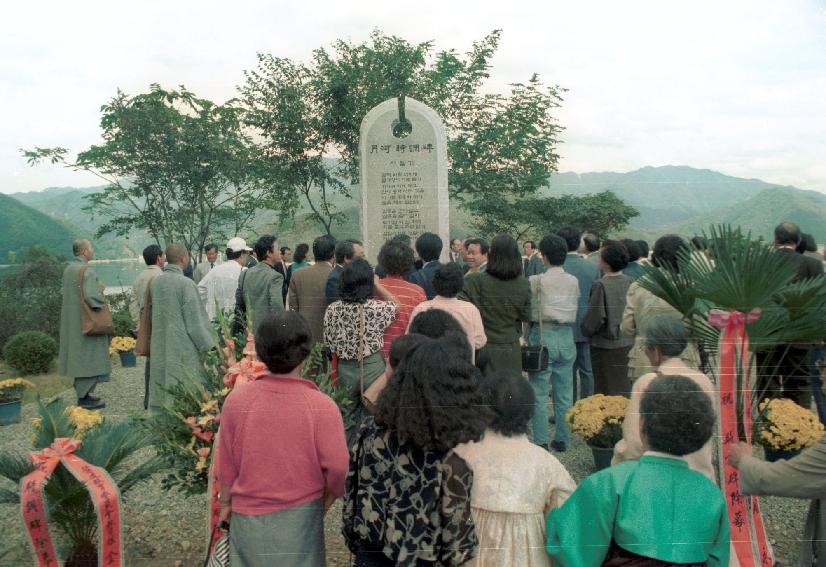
pixel 411 504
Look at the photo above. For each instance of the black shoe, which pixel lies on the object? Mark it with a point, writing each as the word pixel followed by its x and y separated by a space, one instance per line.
pixel 552 419
pixel 559 446
pixel 92 398
pixel 91 404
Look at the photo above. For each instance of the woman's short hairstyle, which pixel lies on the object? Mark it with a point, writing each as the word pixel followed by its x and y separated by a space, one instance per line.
pixel 678 417
pixel 590 241
pixel 448 280
pixel 555 249
pixel 634 252
pixel 511 399
pixel 666 249
pixel 435 323
pixel 283 341
pixel 666 333
pixel 615 254
pixel 432 400
pixel 504 259
pixel 357 281
pixel 301 252
pixel 645 250
pixel 396 258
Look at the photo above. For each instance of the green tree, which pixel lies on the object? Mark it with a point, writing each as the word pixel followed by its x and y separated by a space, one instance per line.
pixel 601 213
pixel 178 166
pixel 499 146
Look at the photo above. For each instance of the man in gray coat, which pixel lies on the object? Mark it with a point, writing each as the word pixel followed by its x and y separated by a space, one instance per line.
pixel 180 328
pixel 86 359
pixel 587 273
pixel 260 287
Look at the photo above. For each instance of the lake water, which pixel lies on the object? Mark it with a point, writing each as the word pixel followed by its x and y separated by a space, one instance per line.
pixel 114 275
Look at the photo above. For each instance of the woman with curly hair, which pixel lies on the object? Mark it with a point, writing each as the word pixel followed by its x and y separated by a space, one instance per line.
pixel 407 495
pixel 515 482
pixel 503 297
pixel 354 328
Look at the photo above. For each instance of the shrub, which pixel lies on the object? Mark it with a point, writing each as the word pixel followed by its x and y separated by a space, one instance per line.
pixel 30 299
pixel 124 324
pixel 30 352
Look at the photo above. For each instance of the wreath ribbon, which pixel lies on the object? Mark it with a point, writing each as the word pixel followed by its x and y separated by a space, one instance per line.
pixel 105 498
pixel 748 534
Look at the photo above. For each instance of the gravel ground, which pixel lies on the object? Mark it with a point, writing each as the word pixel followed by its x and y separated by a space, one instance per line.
pixel 164 529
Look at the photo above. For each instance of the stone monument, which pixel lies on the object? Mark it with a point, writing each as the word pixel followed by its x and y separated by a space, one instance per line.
pixel 403 173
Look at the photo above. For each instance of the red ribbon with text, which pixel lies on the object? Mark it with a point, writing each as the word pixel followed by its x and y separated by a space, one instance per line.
pixel 105 498
pixel 748 535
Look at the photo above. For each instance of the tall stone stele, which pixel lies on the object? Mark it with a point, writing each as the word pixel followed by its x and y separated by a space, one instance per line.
pixel 403 174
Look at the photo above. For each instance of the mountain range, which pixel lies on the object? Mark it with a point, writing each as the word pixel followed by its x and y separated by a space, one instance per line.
pixel 678 199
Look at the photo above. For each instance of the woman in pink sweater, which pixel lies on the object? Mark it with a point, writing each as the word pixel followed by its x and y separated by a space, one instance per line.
pixel 282 455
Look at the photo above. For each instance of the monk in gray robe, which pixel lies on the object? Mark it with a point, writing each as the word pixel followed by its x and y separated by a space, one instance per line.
pixel 180 328
pixel 84 358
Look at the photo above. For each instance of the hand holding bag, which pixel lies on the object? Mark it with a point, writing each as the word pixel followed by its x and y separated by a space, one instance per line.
pixel 535 357
pixel 145 328
pixel 220 547
pixel 93 322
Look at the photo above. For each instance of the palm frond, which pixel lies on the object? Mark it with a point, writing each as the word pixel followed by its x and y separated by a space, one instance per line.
pixel 13 467
pixel 140 473
pixel 55 423
pixel 9 496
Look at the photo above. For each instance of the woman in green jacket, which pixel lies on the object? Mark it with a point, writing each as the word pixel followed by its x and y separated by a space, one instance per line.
pixel 503 297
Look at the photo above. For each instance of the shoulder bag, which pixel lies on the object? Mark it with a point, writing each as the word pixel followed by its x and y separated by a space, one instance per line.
pixel 145 328
pixel 535 357
pixel 93 322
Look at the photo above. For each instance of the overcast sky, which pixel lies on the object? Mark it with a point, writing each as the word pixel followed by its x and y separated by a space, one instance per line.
pixel 735 86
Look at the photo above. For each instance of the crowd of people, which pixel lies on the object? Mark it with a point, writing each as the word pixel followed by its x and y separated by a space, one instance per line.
pixel 448 456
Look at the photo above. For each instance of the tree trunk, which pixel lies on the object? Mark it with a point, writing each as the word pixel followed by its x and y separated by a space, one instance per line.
pixel 84 554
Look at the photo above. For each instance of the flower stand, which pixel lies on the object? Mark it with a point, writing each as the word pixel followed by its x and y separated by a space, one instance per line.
pixel 773 455
pixel 10 412
pixel 128 359
pixel 602 457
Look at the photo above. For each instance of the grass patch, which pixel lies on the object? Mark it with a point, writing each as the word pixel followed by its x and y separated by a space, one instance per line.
pixel 46 385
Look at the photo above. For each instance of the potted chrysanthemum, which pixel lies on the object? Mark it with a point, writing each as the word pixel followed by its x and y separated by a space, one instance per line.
pixel 11 399
pixel 598 420
pixel 125 348
pixel 784 428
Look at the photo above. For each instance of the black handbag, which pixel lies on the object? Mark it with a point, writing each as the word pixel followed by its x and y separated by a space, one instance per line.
pixel 535 357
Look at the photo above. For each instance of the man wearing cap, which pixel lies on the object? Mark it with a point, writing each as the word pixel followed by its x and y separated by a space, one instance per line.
pixel 217 289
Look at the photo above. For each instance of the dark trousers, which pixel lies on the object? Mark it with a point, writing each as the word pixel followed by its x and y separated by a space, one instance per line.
pixel 818 353
pixel 146 385
pixel 611 371
pixel 785 372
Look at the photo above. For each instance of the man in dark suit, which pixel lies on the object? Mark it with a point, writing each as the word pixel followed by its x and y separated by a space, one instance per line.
pixel 307 286
pixel 532 264
pixel 429 248
pixel 346 250
pixel 455 253
pixel 787 238
pixel 784 370
pixel 586 273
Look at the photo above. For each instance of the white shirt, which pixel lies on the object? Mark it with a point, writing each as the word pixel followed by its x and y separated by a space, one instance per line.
pixel 559 295
pixel 220 284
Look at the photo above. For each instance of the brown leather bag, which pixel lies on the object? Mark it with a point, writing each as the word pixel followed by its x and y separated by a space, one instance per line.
pixel 93 322
pixel 145 327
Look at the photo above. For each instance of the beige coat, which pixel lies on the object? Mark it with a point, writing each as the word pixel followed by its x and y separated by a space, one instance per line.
pixel 307 295
pixel 630 447
pixel 801 477
pixel 640 306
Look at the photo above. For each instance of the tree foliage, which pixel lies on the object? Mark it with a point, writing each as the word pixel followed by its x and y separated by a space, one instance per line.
pixel 601 213
pixel 178 166
pixel 499 146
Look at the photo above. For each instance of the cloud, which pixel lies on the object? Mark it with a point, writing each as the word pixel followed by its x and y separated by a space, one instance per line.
pixel 736 86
